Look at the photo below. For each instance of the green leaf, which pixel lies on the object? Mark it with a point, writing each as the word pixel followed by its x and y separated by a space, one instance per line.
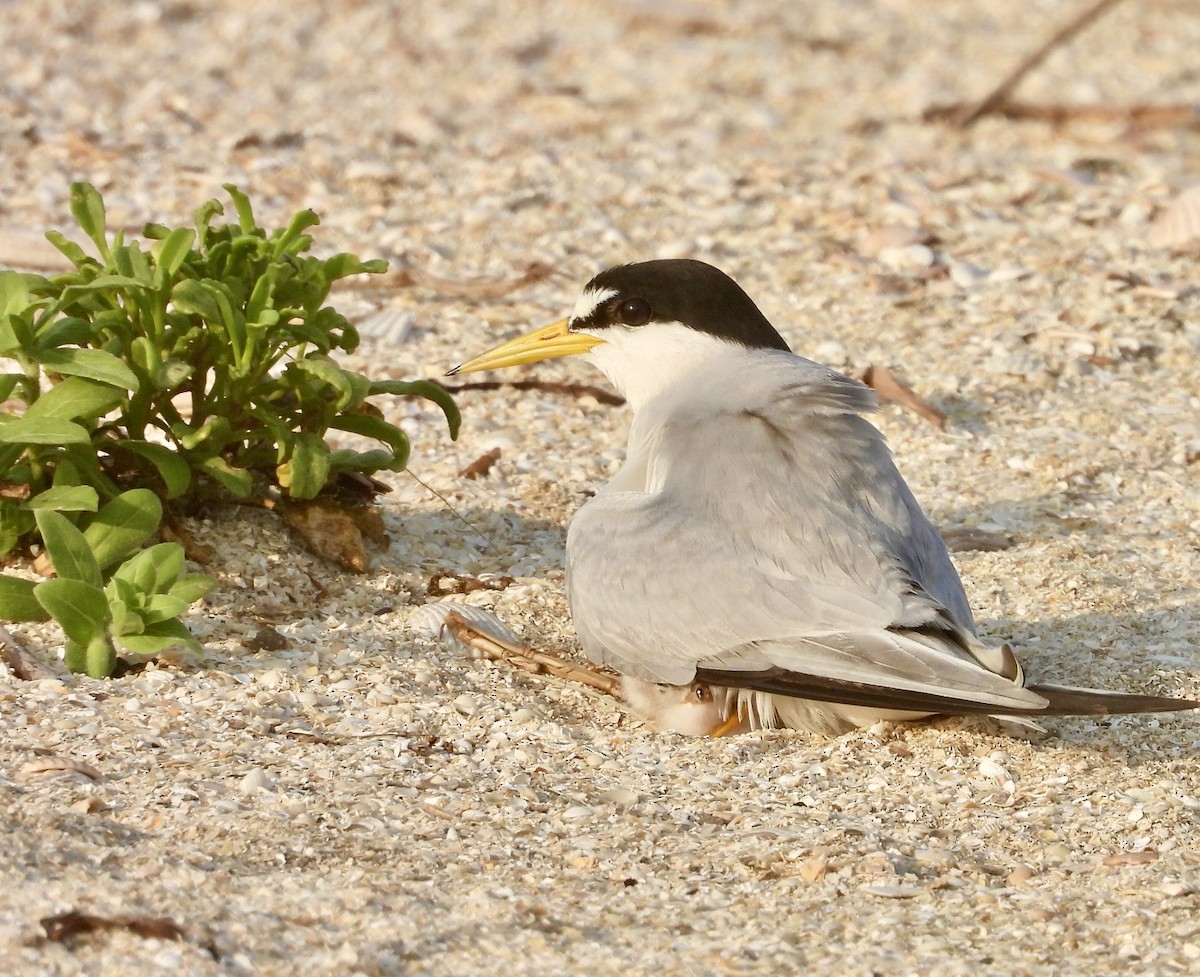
pixel 8 383
pixel 81 609
pixel 275 426
pixel 291 240
pixel 365 462
pixel 74 253
pixel 15 297
pixel 123 599
pixel 159 637
pixel 14 523
pixel 174 249
pixel 427 389
pixel 17 602
pixel 42 430
pixel 87 207
pixel 237 481
pixel 306 472
pixel 303 332
pixel 75 397
pixel 241 204
pixel 70 552
pixel 123 525
pixel 83 461
pixel 66 473
pixel 329 373
pixel 342 264
pixel 172 374
pixel 67 331
pixel 211 436
pixel 94 364
pixel 192 586
pixel 131 581
pixel 215 303
pixel 121 590
pixel 174 471
pixel 158 608
pixel 260 298
pixel 14 333
pixel 14 472
pixel 65 498
pixel 102 283
pixel 380 430
pixel 132 261
pixel 203 218
pixel 153 570
pixel 360 387
pixel 196 298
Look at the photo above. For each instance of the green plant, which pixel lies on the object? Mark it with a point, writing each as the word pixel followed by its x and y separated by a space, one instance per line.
pixel 193 368
pixel 225 313
pixel 105 594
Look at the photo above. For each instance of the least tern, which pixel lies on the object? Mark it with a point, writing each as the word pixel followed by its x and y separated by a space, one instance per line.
pixel 759 543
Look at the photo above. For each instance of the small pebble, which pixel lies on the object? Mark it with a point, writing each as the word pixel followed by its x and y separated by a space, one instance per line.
pixel 831 352
pixel 965 275
pixel 621 796
pixel 467 704
pixel 256 780
pixel 1020 874
pixel 885 891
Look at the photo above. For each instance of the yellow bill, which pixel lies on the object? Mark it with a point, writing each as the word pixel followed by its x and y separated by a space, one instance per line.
pixel 542 344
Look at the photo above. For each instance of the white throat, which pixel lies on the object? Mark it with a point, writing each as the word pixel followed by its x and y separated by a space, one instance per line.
pixel 644 361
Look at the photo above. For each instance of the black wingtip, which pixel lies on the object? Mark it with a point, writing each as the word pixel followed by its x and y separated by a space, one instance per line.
pixel 1062 700
pixel 1067 701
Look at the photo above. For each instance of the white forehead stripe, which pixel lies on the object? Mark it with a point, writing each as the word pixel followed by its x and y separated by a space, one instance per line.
pixel 590 300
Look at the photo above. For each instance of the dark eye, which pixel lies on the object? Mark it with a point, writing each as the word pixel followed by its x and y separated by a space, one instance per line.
pixel 635 312
pixel 702 693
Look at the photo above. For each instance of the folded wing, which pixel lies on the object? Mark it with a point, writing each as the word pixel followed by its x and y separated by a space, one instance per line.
pixel 776 536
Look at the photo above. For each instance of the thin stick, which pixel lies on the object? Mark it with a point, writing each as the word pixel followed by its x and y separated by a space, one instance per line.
pixel 529 659
pixel 1136 117
pixel 432 491
pixel 1062 36
pixel 571 389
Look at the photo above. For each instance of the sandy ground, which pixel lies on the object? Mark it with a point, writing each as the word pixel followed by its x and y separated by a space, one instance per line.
pixel 364 801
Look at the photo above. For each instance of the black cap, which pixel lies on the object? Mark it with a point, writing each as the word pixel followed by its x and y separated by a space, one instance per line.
pixel 680 290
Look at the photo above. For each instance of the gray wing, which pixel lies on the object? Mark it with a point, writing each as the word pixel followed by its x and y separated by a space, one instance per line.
pixel 776 534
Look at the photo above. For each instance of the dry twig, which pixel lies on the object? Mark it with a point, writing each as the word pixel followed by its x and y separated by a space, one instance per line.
pixel 999 95
pixel 570 389
pixel 529 659
pixel 1136 117
pixel 474 288
pixel 965 539
pixel 479 288
pixel 460 583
